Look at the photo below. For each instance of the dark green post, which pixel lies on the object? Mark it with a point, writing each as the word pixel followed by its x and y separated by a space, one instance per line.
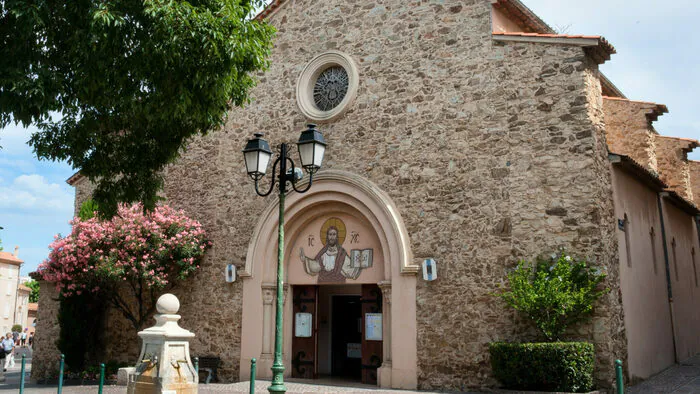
pixel 252 376
pixel 277 385
pixel 196 367
pixel 102 378
pixel 21 375
pixel 60 374
pixel 620 381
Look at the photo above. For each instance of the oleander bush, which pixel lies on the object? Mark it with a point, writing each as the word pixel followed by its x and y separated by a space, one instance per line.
pixel 552 366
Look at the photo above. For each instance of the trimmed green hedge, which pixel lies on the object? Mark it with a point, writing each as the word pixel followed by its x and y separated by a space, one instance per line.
pixel 557 366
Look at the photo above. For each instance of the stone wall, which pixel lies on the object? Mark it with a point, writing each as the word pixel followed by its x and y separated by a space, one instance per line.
pixel 674 170
pixel 491 152
pixel 45 355
pixel 694 169
pixel 628 129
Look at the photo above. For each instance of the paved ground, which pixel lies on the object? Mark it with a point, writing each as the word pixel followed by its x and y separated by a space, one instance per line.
pixel 679 379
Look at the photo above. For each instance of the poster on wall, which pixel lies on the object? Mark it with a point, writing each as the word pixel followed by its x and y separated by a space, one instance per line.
pixel 302 325
pixel 373 326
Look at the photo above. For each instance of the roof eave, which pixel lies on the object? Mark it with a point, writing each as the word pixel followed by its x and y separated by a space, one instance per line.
pixel 638 171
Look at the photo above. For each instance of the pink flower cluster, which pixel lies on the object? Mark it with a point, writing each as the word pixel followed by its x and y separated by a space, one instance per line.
pixel 151 249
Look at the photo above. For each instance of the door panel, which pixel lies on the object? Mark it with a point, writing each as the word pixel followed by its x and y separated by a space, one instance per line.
pixel 305 332
pixel 346 358
pixel 372 351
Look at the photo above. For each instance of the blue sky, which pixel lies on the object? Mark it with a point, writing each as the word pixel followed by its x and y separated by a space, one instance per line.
pixel 658 60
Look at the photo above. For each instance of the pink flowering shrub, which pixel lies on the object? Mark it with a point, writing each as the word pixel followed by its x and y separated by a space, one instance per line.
pixel 148 251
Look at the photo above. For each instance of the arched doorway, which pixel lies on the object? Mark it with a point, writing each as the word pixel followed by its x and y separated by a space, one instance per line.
pixel 355 249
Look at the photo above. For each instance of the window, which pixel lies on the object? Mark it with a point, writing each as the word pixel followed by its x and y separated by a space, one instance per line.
pixel 652 236
pixel 675 261
pixel 7 310
pixel 9 288
pixel 695 268
pixel 327 86
pixel 627 241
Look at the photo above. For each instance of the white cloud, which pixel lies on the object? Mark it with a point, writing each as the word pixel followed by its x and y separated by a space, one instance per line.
pixel 34 193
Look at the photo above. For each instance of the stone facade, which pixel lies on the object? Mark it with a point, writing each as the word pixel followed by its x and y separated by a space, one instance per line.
pixel 629 131
pixel 45 355
pixel 694 171
pixel 492 151
pixel 672 156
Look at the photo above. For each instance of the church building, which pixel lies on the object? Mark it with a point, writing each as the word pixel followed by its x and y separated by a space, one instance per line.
pixel 465 133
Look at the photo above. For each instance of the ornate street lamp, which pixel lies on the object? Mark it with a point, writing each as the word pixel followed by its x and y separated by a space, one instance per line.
pixel 257 156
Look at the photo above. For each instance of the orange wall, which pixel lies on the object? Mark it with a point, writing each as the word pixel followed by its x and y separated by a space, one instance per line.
pixel 501 24
pixel 684 279
pixel 643 278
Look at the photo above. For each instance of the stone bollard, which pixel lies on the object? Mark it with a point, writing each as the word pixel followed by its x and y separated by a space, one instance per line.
pixel 164 366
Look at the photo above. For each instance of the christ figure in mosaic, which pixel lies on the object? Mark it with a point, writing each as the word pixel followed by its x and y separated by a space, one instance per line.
pixel 332 263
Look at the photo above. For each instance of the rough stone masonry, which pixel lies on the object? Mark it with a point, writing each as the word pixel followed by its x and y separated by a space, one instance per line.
pixel 492 151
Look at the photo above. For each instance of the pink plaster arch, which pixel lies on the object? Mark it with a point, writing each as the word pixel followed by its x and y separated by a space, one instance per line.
pixel 333 191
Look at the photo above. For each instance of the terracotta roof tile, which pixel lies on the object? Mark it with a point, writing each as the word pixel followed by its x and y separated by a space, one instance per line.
pixel 32 306
pixel 24 288
pixel 269 9
pixel 7 257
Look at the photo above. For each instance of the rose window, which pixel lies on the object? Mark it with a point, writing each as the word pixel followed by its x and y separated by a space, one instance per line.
pixel 330 88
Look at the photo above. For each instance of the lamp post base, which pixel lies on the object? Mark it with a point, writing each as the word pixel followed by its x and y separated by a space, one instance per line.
pixel 277 380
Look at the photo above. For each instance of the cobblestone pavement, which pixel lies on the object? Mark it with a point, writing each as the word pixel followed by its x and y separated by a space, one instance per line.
pixel 679 379
pixel 235 388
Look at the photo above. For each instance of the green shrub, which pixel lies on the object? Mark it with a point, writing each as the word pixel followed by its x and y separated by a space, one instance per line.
pixel 556 366
pixel 17 328
pixel 554 294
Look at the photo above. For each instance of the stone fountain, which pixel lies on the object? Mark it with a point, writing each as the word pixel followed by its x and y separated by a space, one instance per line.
pixel 164 366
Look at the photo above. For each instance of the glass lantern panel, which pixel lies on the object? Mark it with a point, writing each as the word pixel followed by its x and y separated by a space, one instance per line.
pixel 318 155
pixel 264 159
pixel 306 154
pixel 251 161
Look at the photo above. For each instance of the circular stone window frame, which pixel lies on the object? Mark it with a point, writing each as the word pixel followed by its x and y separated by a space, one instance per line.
pixel 307 81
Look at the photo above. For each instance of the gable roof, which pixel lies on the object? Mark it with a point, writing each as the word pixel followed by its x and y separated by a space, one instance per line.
pixel 514 9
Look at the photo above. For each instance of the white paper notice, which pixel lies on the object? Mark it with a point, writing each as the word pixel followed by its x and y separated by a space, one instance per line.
pixel 302 326
pixel 373 326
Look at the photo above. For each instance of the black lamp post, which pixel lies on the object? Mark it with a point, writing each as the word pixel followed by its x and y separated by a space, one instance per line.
pixel 257 155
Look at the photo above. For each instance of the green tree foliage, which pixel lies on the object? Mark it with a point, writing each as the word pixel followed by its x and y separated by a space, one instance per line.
pixel 17 328
pixel 555 367
pixel 34 295
pixel 555 294
pixel 118 87
pixel 88 209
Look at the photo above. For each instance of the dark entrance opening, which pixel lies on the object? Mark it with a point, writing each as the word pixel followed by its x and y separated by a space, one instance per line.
pixel 346 337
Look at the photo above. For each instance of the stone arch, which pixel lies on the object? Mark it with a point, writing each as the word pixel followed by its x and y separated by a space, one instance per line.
pixel 333 190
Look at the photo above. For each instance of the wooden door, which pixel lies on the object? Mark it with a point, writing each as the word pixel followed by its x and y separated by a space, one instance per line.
pixel 305 332
pixel 372 343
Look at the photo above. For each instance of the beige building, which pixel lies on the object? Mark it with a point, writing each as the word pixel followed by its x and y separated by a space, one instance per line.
pixel 22 309
pixel 465 132
pixel 9 281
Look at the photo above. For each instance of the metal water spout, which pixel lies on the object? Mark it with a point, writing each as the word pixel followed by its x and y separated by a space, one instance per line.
pixel 164 366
